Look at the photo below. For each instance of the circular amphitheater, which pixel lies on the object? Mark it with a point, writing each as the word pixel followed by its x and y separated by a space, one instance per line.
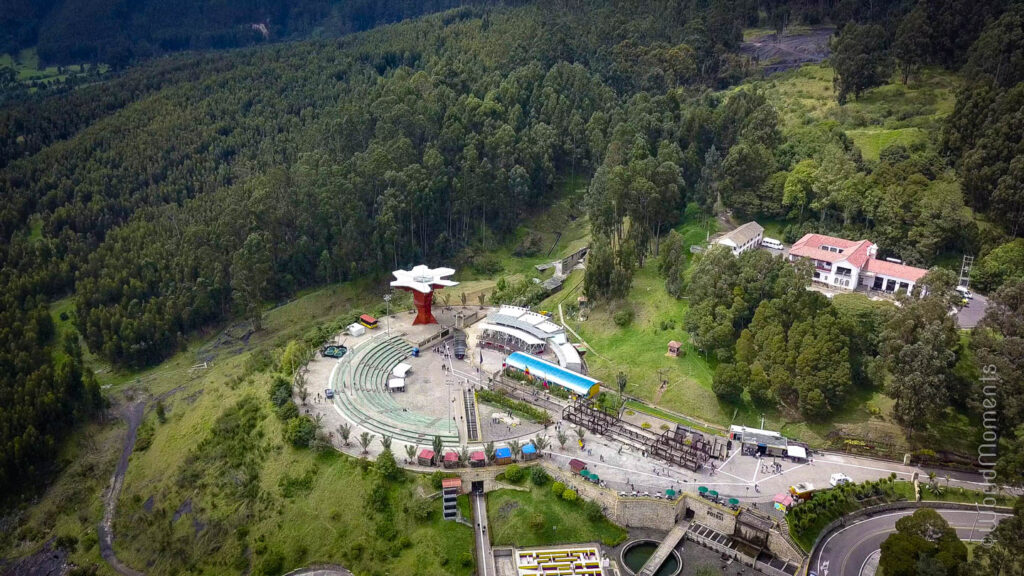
pixel 360 384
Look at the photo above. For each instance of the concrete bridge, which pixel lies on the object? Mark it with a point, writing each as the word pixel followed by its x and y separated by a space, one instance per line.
pixel 664 549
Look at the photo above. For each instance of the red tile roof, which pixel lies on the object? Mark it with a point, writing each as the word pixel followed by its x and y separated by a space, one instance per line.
pixel 477 456
pixel 427 454
pixel 451 483
pixel 900 271
pixel 854 252
pixel 451 456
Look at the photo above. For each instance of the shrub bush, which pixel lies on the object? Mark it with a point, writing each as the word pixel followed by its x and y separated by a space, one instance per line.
pixel 623 317
pixel 538 476
pixel 287 411
pixel 514 474
pixel 557 488
pixel 300 431
pixel 569 495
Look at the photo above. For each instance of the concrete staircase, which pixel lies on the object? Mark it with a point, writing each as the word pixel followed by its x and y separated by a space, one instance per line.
pixel 672 539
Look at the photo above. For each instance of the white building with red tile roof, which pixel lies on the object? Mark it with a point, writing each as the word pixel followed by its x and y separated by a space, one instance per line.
pixel 847 264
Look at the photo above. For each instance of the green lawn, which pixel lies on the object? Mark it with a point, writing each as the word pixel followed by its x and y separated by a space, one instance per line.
pixel 539 518
pixel 871 141
pixel 26 64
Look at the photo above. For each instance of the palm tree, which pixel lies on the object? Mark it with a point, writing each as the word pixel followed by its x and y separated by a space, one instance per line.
pixel 489 451
pixel 344 430
pixel 580 432
pixel 514 446
pixel 385 441
pixel 364 440
pixel 303 394
pixel 464 455
pixel 438 445
pixel 410 452
pixel 482 298
pixel 541 442
pixel 319 421
pixel 562 438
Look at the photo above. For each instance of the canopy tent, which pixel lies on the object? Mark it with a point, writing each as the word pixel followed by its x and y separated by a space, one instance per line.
pixel 503 452
pixel 396 384
pixel 734 502
pixel 798 452
pixel 783 500
pixel 670 493
pixel 401 370
pixel 529 449
pixel 703 489
pixel 356 330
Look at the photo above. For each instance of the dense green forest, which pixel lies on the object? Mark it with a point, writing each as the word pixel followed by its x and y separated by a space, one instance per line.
pixel 121 31
pixel 193 188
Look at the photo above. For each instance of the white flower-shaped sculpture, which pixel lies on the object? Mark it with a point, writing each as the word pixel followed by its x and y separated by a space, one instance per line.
pixel 422 281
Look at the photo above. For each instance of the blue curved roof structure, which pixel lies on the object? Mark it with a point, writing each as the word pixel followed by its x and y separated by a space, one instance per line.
pixel 553 373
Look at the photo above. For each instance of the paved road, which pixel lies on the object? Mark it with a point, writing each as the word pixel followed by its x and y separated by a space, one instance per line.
pixel 485 558
pixel 845 551
pixel 970 315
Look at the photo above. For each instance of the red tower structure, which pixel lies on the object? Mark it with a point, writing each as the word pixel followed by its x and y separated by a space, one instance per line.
pixel 422 281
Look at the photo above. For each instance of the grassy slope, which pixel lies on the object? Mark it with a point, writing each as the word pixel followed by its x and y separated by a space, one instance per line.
pixel 26 64
pixel 889 114
pixel 318 525
pixel 509 513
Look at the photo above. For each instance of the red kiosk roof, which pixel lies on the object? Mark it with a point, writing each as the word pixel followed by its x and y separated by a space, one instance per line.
pixel 425 453
pixel 478 456
pixel 451 457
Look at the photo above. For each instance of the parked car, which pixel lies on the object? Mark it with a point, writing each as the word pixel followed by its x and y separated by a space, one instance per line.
pixel 839 479
pixel 965 292
pixel 329 393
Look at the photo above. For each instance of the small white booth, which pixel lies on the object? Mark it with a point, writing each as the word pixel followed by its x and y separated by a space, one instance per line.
pixel 401 370
pixel 356 330
pixel 396 385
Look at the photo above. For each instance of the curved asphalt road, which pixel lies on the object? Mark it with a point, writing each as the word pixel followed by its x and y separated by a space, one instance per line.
pixel 845 551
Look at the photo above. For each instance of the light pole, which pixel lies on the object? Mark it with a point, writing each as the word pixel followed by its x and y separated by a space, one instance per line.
pixel 387 299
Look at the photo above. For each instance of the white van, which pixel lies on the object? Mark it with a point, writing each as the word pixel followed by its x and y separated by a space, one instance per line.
pixel 965 292
pixel 772 243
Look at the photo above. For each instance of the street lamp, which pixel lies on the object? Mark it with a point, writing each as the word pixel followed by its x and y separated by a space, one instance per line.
pixel 387 299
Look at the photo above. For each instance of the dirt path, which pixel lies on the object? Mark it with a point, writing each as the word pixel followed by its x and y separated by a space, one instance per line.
pixel 132 413
pixel 791 51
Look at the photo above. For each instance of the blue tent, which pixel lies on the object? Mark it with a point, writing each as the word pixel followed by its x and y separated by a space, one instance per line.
pixel 529 449
pixel 503 453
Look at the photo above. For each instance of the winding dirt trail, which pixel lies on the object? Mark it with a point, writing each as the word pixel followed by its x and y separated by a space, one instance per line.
pixel 132 413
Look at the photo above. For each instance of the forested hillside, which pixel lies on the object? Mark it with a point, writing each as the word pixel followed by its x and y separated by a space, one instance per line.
pixel 194 188
pixel 120 31
pixel 225 181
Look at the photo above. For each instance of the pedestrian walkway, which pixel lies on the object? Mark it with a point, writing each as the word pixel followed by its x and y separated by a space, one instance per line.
pixel 672 539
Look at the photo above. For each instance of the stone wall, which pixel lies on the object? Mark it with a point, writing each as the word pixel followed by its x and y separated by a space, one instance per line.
pixel 650 513
pixel 715 516
pixel 783 547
